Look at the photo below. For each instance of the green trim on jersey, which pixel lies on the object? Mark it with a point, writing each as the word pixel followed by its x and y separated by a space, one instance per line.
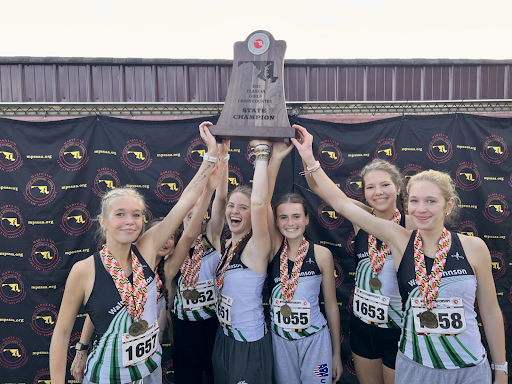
pixel 425 349
pixel 290 335
pixel 203 313
pixel 434 357
pixel 364 273
pixel 110 342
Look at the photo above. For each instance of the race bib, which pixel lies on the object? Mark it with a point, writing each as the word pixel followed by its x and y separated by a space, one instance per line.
pixel 206 291
pixel 449 313
pixel 136 349
pixel 370 307
pixel 300 317
pixel 224 309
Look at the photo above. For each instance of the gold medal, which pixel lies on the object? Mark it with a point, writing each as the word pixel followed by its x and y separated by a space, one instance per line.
pixel 375 283
pixel 186 294
pixel 194 295
pixel 138 328
pixel 429 319
pixel 286 311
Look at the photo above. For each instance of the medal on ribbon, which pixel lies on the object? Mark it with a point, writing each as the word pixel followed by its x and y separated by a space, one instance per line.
pixel 219 275
pixel 378 257
pixel 429 286
pixel 289 283
pixel 190 270
pixel 134 295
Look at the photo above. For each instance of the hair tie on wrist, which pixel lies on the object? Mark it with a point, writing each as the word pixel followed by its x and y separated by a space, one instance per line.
pixel 226 158
pixel 211 159
pixel 310 170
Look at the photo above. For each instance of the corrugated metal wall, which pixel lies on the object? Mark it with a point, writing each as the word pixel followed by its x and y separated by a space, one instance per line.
pixel 207 81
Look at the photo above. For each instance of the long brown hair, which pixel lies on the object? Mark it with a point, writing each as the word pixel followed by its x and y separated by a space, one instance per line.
pixel 393 172
pixel 244 190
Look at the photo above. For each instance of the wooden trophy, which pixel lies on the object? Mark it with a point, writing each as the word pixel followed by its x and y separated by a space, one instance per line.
pixel 255 107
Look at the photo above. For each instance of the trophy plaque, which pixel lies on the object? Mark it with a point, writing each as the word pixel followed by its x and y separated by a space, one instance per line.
pixel 255 107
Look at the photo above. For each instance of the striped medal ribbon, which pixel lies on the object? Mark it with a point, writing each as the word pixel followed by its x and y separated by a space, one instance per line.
pixel 158 281
pixel 219 275
pixel 378 257
pixel 289 283
pixel 429 285
pixel 190 270
pixel 134 296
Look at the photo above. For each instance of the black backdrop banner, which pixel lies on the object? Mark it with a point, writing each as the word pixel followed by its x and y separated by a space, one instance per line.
pixel 53 174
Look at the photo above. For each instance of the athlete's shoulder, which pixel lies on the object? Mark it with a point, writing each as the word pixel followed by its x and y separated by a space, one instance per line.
pixel 471 243
pixel 323 257
pixel 84 266
pixel 321 251
pixel 82 274
pixel 476 250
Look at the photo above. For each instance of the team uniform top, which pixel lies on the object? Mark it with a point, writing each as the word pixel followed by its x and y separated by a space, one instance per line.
pixel 458 281
pixel 387 276
pixel 209 263
pixel 308 289
pixel 111 319
pixel 245 286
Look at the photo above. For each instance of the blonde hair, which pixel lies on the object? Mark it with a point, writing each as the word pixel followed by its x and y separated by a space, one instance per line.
pixel 447 187
pixel 114 194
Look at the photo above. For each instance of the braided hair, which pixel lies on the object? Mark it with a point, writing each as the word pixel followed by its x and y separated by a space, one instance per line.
pixel 160 267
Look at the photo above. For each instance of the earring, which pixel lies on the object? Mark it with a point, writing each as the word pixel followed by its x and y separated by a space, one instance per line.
pixel 447 214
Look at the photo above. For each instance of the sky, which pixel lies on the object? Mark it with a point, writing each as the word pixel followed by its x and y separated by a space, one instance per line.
pixel 207 29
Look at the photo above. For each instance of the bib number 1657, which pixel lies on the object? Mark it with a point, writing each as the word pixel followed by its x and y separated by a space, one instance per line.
pixel 138 348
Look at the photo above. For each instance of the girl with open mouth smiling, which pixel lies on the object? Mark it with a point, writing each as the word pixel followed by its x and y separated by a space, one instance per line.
pixel 243 349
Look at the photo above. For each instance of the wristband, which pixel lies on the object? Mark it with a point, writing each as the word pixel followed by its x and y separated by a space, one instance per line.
pixel 500 367
pixel 310 170
pixel 226 158
pixel 264 147
pixel 211 159
pixel 81 346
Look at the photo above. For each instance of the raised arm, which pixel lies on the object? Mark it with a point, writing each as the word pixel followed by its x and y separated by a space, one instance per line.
pixel 258 247
pixel 392 234
pixel 314 187
pixel 154 238
pixel 279 152
pixel 216 222
pixel 193 229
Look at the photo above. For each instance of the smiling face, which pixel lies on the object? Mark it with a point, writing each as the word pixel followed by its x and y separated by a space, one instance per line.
pixel 427 205
pixel 291 220
pixel 124 220
pixel 380 191
pixel 238 213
